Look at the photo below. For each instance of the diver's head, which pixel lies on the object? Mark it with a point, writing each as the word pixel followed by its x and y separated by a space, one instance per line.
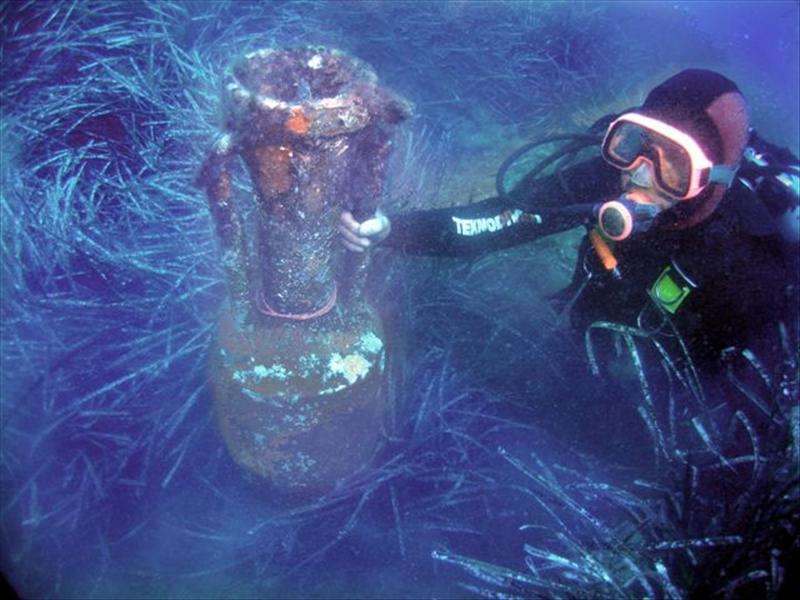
pixel 680 150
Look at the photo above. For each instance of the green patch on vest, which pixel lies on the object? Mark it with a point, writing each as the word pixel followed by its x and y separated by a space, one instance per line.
pixel 670 290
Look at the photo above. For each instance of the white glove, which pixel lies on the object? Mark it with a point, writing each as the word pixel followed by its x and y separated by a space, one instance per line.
pixel 360 236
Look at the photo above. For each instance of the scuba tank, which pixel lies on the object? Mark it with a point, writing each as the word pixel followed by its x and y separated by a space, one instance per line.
pixel 772 175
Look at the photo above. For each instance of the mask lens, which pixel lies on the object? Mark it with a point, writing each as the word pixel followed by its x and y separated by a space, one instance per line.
pixel 673 165
pixel 624 144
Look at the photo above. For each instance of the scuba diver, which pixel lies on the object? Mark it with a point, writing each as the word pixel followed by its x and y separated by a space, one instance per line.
pixel 691 219
pixel 684 296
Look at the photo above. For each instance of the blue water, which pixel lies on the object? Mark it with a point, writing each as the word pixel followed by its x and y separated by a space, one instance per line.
pixel 115 479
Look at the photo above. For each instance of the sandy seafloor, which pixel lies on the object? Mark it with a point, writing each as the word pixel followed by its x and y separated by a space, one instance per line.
pixel 115 480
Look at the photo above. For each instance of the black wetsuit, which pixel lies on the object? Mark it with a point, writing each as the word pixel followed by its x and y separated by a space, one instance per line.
pixel 743 274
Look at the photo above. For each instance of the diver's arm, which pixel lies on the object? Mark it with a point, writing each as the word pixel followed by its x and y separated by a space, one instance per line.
pixel 534 208
pixel 482 227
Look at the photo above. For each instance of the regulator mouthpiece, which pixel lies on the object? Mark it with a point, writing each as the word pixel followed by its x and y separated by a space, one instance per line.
pixel 621 218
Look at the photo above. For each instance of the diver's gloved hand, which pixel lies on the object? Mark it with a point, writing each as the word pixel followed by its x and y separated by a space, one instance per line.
pixel 360 236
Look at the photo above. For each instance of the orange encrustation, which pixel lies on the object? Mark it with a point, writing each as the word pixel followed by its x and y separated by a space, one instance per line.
pixel 298 123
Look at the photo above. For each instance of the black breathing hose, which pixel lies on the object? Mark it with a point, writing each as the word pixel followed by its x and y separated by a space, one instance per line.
pixel 579 141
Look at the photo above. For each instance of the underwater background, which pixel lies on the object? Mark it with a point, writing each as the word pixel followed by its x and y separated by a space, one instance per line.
pixel 508 470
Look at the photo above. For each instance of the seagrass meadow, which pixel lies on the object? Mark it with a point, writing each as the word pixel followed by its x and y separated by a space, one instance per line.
pixel 507 465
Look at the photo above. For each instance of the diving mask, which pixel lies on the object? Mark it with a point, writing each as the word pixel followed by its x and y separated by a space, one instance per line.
pixel 680 167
